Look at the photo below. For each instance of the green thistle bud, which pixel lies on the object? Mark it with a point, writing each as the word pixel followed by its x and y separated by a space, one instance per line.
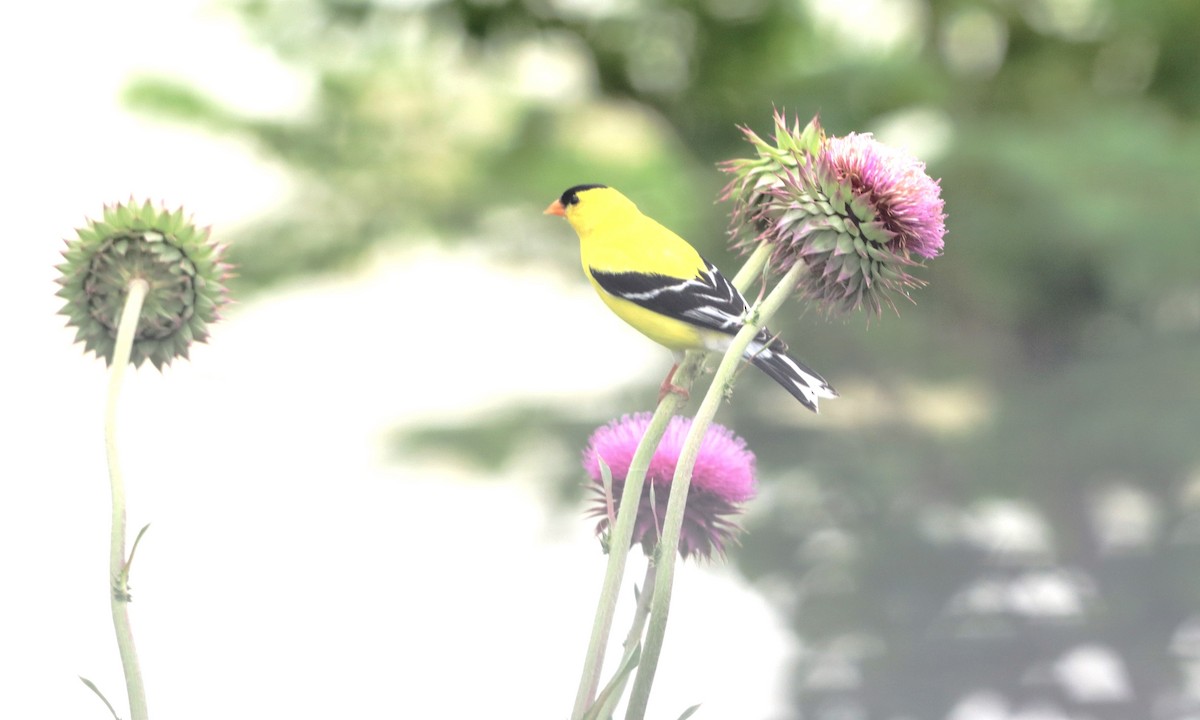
pixel 853 210
pixel 756 177
pixel 184 270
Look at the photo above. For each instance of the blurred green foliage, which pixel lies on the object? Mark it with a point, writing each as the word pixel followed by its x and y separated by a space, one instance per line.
pixel 1012 488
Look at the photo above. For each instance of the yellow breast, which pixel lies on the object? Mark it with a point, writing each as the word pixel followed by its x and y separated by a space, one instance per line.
pixel 674 334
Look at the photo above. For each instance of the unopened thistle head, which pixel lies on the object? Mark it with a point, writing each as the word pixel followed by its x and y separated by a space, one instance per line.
pixel 856 212
pixel 184 270
pixel 723 479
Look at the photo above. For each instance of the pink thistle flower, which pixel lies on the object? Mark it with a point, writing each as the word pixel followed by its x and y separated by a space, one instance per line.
pixel 852 209
pixel 894 184
pixel 722 480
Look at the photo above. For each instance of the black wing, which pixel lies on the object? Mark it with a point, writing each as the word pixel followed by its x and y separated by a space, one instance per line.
pixel 707 300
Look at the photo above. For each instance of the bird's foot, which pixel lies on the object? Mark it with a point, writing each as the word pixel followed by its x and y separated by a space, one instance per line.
pixel 669 387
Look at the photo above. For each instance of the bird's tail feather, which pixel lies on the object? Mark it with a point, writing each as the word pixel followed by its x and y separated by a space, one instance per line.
pixel 797 378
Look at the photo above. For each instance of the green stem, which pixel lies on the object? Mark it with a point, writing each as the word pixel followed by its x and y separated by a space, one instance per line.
pixel 622 531
pixel 665 554
pixel 621 535
pixel 118 568
pixel 605 704
pixel 753 268
pixel 642 612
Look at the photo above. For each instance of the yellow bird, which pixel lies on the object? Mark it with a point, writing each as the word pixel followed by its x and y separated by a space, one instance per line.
pixel 655 281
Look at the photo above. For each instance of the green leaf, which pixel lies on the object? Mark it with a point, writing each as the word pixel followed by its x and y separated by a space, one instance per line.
pixel 609 501
pixel 132 550
pixel 606 701
pixel 92 686
pixel 689 712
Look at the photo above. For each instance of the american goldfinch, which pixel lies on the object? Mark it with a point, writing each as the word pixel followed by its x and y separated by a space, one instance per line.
pixel 655 281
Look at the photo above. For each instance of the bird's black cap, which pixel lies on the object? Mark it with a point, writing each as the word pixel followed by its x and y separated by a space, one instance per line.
pixel 570 196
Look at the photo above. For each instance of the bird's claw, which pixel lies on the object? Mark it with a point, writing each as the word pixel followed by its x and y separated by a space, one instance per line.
pixel 669 387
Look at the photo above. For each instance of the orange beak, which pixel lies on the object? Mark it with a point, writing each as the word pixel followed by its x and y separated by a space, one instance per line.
pixel 556 208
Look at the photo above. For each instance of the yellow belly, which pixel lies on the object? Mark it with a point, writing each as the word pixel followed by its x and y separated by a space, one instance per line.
pixel 671 333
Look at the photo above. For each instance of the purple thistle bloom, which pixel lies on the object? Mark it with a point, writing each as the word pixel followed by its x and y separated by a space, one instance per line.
pixel 852 209
pixel 907 201
pixel 722 479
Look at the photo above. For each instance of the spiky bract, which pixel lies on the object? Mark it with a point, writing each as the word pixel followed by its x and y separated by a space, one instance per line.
pixel 853 210
pixel 184 270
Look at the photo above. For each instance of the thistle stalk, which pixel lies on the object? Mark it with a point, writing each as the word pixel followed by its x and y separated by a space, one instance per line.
pixel 642 611
pixel 622 534
pixel 759 314
pixel 118 566
pixel 622 530
pixel 141 283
